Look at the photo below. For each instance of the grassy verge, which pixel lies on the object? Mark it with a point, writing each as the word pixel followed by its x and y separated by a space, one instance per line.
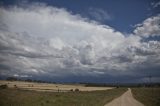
pixel 14 97
pixel 148 96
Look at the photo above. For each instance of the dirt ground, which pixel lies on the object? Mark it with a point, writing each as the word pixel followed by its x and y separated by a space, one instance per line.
pixel 50 87
pixel 125 100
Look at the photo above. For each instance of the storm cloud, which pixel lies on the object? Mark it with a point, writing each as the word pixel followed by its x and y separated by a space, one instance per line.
pixel 47 41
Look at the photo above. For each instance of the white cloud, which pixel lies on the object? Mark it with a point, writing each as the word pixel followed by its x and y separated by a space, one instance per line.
pixel 42 40
pixel 99 14
pixel 155 5
pixel 149 27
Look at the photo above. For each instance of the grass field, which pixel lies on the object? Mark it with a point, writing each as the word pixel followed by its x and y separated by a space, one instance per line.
pixel 16 97
pixel 147 96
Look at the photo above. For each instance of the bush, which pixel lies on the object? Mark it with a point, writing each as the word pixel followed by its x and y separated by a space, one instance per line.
pixel 3 86
pixel 71 90
pixel 76 90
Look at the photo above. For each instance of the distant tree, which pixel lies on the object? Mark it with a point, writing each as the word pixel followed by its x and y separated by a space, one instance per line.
pixel 28 80
pixel 12 79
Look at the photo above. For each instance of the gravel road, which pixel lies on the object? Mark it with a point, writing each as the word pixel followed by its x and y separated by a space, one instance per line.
pixel 125 100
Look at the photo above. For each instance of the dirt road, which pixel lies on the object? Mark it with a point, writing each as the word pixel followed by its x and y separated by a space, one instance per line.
pixel 125 100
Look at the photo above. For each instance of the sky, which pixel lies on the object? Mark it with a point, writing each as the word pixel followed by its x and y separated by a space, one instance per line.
pixel 103 41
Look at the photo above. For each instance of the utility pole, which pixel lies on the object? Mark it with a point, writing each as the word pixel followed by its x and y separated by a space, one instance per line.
pixel 150 82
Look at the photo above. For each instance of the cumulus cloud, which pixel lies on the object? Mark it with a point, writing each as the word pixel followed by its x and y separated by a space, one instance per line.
pixel 149 27
pixel 46 41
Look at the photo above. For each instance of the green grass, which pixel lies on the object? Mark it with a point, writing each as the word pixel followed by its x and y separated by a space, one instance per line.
pixel 148 96
pixel 13 97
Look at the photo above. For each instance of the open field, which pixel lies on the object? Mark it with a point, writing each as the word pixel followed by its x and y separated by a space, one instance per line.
pixel 19 97
pixel 148 96
pixel 50 87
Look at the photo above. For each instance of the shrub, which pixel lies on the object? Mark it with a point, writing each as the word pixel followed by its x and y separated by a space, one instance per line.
pixel 15 86
pixel 3 86
pixel 71 90
pixel 76 90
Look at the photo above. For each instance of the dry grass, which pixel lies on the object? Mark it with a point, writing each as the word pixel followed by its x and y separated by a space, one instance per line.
pixel 50 87
pixel 19 97
pixel 148 96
